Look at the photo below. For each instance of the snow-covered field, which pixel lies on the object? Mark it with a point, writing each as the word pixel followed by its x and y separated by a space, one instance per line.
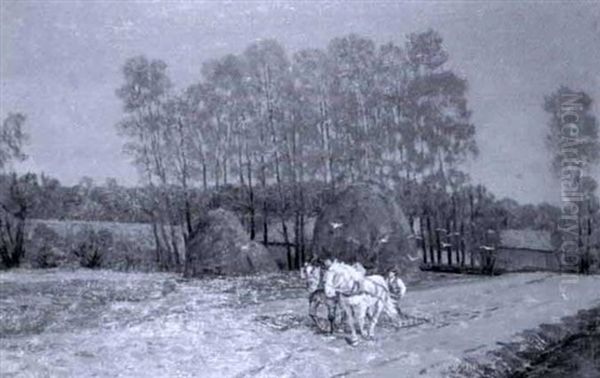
pixel 97 323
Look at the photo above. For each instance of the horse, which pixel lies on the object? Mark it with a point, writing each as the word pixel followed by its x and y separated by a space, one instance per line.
pixel 312 273
pixel 358 295
pixel 394 284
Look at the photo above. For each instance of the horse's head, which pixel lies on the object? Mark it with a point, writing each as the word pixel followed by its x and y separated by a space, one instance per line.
pixel 359 268
pixel 312 275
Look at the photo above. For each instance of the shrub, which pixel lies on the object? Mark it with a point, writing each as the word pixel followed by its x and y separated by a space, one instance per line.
pixel 92 247
pixel 46 248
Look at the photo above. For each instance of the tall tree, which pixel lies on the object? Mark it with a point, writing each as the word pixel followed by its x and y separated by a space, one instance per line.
pixel 353 61
pixel 17 193
pixel 437 106
pixel 574 141
pixel 231 111
pixel 18 197
pixel 313 111
pixel 268 80
pixel 581 144
pixel 144 95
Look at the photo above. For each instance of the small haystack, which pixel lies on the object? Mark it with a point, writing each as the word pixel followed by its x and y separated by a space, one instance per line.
pixel 364 223
pixel 220 246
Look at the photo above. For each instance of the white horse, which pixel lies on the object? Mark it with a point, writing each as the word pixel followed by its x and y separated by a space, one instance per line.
pixel 313 275
pixel 394 284
pixel 358 295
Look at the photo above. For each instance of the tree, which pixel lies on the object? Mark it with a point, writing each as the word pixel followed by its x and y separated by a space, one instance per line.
pixel 230 111
pixel 352 61
pixel 313 112
pixel 399 133
pixel 16 193
pixel 582 143
pixel 146 125
pixel 12 139
pixel 18 196
pixel 574 141
pixel 437 107
pixel 268 80
pixel 277 128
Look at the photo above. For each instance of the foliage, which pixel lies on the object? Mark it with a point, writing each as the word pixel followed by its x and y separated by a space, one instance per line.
pixel 584 144
pixel 18 195
pixel 12 139
pixel 93 248
pixel 574 141
pixel 271 124
pixel 46 247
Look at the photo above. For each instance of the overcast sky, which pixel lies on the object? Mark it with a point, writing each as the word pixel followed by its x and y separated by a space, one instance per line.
pixel 61 63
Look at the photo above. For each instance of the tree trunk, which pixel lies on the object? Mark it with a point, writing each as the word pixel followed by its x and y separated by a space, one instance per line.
pixel 286 240
pixel 430 236
pixel 423 246
pixel 158 247
pixel 251 197
pixel 204 177
pixel 438 244
pixel 462 244
pixel 449 241
pixel 225 170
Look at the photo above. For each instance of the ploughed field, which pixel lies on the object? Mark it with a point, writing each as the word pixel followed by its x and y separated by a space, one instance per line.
pixel 97 323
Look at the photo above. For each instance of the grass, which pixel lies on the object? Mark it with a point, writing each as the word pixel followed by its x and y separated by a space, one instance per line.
pixel 100 323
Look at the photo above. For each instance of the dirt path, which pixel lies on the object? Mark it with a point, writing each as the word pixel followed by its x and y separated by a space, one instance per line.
pixel 138 325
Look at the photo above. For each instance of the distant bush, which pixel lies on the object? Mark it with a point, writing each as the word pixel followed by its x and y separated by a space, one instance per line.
pixel 127 256
pixel 47 248
pixel 50 257
pixel 92 247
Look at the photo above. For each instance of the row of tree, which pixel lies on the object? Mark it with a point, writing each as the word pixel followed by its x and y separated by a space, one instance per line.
pixel 353 111
pixel 272 137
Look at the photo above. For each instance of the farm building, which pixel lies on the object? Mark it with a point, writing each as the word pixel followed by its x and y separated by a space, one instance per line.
pixel 525 250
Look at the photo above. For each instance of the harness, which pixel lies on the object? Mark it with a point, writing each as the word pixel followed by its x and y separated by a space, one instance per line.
pixel 357 289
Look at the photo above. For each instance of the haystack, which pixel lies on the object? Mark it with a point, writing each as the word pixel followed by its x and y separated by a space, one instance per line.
pixel 365 224
pixel 221 246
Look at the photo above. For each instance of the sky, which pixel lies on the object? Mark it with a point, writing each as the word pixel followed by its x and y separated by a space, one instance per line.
pixel 60 64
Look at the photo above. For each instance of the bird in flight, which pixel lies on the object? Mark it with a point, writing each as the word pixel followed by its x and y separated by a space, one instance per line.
pixel 335 225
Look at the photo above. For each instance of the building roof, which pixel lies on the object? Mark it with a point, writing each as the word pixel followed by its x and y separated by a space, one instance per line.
pixel 526 239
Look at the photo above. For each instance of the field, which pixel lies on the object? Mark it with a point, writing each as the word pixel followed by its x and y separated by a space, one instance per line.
pixel 131 245
pixel 84 323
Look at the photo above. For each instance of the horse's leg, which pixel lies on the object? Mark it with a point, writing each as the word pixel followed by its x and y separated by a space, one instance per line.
pixel 331 312
pixel 350 321
pixel 378 308
pixel 343 317
pixel 362 310
pixel 313 305
pixel 369 312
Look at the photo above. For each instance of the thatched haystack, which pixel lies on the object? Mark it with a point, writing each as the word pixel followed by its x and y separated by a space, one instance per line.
pixel 221 246
pixel 364 223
